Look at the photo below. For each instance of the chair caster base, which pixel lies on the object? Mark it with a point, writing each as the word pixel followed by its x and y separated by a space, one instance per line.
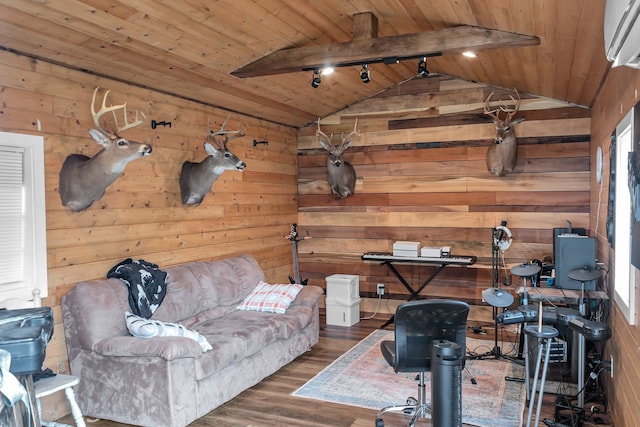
pixel 414 411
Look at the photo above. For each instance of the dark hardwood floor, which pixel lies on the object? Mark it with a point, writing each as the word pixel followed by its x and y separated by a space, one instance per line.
pixel 270 403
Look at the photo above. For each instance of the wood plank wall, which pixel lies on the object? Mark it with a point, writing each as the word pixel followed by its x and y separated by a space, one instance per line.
pixel 422 177
pixel 618 95
pixel 141 215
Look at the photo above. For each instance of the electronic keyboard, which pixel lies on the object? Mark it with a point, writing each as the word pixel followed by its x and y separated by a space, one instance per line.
pixel 387 256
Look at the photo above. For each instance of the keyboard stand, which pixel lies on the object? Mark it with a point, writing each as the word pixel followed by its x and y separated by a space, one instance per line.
pixel 415 294
pixel 439 262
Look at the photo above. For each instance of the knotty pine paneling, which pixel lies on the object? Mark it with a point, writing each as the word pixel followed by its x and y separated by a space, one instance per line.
pixel 618 95
pixel 141 215
pixel 426 180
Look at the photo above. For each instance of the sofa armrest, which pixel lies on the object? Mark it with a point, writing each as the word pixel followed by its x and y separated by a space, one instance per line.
pixel 309 296
pixel 167 348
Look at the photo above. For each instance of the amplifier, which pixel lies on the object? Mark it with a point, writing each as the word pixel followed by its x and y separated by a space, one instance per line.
pixel 573 252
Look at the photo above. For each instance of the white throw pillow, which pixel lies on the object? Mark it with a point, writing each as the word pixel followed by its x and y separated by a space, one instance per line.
pixel 270 298
pixel 147 328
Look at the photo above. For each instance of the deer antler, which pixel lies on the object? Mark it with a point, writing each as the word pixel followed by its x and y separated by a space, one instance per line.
pixel 113 108
pixel 227 134
pixel 488 111
pixel 323 136
pixel 509 110
pixel 512 111
pixel 354 132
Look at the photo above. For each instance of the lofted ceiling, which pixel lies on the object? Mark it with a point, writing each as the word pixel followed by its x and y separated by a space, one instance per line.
pixel 190 48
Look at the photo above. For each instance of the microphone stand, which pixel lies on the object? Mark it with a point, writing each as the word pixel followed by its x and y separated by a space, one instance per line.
pixel 493 295
pixel 496 237
pixel 495 277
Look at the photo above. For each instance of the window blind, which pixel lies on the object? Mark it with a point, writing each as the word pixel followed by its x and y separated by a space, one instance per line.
pixel 12 217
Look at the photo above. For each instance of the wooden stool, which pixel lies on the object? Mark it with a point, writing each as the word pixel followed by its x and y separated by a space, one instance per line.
pixel 46 386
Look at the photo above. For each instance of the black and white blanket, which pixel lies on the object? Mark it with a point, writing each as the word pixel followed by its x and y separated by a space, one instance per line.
pixel 146 282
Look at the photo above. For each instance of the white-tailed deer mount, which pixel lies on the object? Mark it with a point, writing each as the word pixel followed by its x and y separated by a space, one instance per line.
pixel 196 179
pixel 502 154
pixel 83 179
pixel 340 174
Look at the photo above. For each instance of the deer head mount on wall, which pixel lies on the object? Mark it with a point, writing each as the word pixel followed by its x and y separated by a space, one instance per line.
pixel 196 179
pixel 340 174
pixel 83 179
pixel 502 154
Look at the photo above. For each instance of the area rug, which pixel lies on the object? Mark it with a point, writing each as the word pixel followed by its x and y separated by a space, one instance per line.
pixel 361 377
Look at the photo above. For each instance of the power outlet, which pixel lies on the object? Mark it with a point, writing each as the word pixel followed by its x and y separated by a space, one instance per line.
pixel 380 289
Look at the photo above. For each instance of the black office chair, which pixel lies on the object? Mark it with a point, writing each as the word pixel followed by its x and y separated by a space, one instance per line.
pixel 418 325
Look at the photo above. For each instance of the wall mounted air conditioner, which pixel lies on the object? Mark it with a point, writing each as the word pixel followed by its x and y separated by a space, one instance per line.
pixel 622 32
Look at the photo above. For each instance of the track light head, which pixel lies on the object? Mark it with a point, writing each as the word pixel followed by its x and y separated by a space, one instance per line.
pixel 315 82
pixel 422 67
pixel 325 71
pixel 365 74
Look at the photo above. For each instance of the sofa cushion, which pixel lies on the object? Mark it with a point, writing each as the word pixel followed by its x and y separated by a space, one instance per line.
pixel 270 298
pixel 167 348
pixel 236 336
pixel 201 286
pixel 149 328
pixel 294 320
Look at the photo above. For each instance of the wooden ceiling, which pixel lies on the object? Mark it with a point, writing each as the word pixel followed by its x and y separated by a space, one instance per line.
pixel 189 48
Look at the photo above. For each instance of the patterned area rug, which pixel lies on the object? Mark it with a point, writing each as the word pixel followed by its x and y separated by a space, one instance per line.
pixel 361 377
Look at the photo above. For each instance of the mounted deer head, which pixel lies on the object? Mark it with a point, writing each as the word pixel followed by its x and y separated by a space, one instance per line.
pixel 83 179
pixel 502 154
pixel 196 179
pixel 340 174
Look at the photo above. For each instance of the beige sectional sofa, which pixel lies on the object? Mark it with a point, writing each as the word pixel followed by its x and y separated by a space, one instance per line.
pixel 170 381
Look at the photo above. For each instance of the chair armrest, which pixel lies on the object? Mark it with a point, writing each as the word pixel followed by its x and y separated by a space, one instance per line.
pixel 309 296
pixel 167 348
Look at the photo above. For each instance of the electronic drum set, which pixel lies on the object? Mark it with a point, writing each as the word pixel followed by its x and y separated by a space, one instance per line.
pixel 544 323
pixel 556 316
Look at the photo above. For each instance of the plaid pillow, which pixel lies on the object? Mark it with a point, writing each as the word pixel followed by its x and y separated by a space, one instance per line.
pixel 270 298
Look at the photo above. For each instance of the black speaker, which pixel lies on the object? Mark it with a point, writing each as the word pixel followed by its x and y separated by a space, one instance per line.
pixel 573 252
pixel 559 231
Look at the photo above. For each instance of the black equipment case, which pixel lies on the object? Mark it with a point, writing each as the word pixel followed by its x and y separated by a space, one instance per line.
pixel 25 333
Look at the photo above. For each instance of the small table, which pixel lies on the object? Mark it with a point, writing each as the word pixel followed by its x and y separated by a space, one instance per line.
pixel 46 386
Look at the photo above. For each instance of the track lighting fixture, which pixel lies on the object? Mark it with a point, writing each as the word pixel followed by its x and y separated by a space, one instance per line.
pixel 315 82
pixel 422 67
pixel 365 74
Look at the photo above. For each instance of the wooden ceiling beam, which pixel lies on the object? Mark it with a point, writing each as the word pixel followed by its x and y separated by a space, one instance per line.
pixel 384 49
